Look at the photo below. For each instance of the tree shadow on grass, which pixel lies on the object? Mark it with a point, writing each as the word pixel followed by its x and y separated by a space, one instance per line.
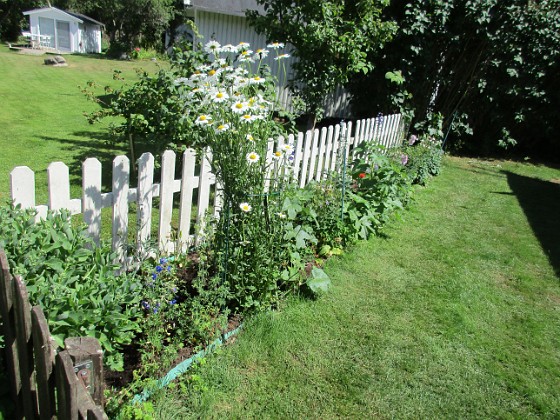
pixel 540 201
pixel 89 145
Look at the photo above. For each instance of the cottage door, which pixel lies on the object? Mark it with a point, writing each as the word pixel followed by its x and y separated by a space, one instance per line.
pixel 63 36
pixel 46 29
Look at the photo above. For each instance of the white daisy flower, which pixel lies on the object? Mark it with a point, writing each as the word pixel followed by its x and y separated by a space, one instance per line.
pixel 260 54
pixel 257 80
pixel 197 75
pixel 230 48
pixel 220 62
pixel 212 47
pixel 194 92
pixel 275 45
pixel 287 148
pixel 203 68
pixel 245 56
pixel 240 82
pixel 219 97
pixel 221 128
pixel 243 46
pixel 277 155
pixel 203 120
pixel 250 137
pixel 245 207
pixel 248 118
pixel 239 107
pixel 282 56
pixel 252 157
pixel 181 81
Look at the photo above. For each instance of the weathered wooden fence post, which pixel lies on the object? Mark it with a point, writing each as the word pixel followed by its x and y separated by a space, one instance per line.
pixel 22 311
pixel 10 343
pixel 87 357
pixel 44 350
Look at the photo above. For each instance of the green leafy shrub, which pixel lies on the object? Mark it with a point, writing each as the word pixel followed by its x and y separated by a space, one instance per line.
pixel 72 280
pixel 380 188
pixel 424 158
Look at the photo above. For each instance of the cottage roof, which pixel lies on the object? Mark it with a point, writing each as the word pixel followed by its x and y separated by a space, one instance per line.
pixel 71 16
pixel 231 7
pixel 85 18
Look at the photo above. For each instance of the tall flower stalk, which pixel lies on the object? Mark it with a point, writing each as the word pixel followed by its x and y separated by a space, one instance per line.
pixel 232 101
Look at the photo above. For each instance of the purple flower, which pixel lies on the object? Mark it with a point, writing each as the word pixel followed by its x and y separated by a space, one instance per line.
pixel 162 260
pixel 159 268
pixel 375 167
pixel 413 138
pixel 404 159
pixel 173 302
pixel 145 305
pixel 154 276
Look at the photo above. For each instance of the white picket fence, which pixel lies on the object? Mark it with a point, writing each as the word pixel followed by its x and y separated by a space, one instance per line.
pixel 316 154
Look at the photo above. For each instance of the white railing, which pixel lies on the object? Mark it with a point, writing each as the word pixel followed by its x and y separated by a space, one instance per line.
pixel 315 154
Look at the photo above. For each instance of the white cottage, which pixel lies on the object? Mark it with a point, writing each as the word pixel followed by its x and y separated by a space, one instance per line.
pixel 225 22
pixel 64 31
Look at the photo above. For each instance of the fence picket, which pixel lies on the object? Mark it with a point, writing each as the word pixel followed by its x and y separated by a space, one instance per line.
pixel 44 351
pixel 305 158
pixel 299 145
pixel 321 155
pixel 121 175
pixel 313 156
pixel 145 195
pixel 58 176
pixel 329 148
pixel 335 147
pixel 185 207
pixel 91 197
pixel 204 183
pixel 166 200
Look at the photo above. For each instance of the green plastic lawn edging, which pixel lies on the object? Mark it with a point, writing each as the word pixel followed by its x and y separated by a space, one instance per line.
pixel 182 367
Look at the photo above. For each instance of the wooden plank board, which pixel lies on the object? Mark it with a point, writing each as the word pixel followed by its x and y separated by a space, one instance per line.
pixel 44 354
pixel 9 325
pixel 22 312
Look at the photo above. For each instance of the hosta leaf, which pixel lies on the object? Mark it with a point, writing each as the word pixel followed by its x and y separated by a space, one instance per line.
pixel 319 282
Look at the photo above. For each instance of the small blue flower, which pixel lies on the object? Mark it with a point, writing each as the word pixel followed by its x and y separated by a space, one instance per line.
pixel 154 276
pixel 159 268
pixel 145 305
pixel 162 260
pixel 168 268
pixel 173 302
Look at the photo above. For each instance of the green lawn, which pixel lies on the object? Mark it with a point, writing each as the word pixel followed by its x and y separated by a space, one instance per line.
pixel 453 313
pixel 41 115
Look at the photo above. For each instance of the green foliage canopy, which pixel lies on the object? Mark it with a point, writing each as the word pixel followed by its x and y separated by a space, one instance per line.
pixel 331 40
pixel 489 67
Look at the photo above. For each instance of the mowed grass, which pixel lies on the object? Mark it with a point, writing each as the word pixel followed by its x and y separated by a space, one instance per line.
pixel 41 115
pixel 453 313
